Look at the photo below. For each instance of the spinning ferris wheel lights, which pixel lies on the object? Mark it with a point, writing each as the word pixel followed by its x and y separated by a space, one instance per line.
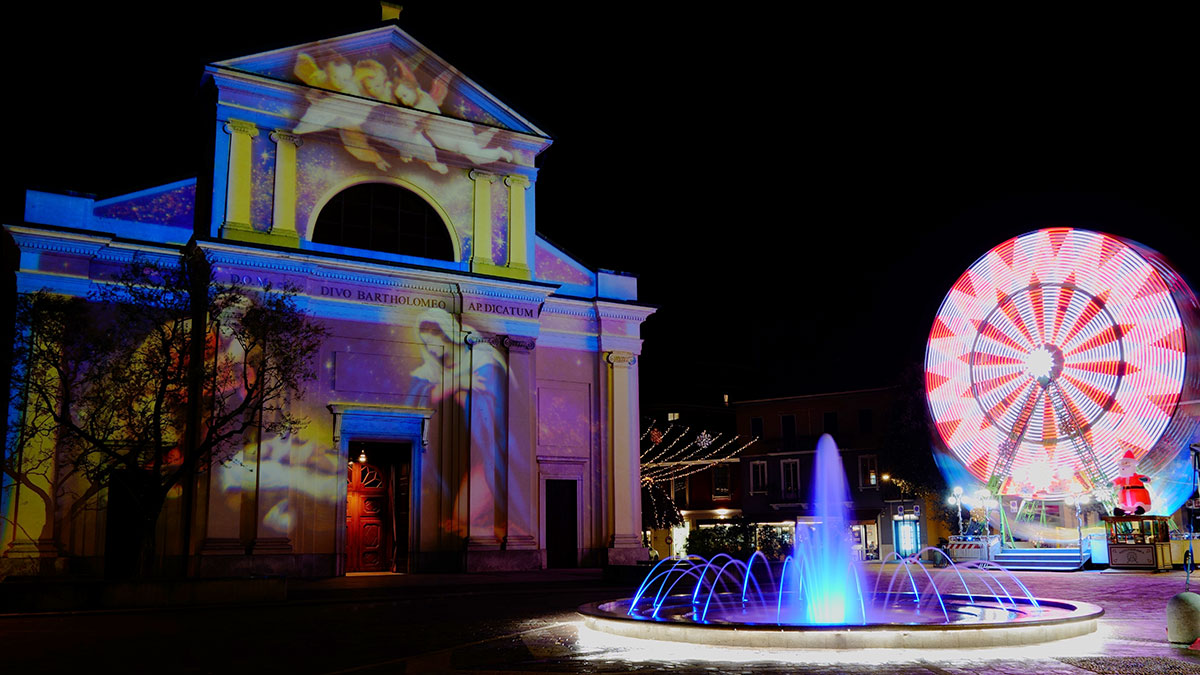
pixel 1054 354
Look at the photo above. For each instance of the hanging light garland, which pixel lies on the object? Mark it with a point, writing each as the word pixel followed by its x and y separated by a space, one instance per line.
pixel 675 454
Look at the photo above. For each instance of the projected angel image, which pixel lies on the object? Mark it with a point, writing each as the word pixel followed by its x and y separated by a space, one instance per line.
pixel 406 132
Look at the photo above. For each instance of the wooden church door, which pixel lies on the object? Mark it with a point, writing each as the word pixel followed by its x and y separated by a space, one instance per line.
pixel 368 519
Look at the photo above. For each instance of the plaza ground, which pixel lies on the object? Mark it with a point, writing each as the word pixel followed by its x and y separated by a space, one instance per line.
pixel 526 622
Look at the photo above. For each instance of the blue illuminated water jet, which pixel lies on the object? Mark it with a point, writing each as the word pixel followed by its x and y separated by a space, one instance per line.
pixel 827 572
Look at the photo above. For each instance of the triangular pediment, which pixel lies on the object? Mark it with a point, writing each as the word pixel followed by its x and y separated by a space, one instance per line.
pixel 386 65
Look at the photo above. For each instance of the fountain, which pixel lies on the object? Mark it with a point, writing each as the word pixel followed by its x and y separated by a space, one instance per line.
pixel 820 598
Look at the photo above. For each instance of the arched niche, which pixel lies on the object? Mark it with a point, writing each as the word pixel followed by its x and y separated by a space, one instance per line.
pixel 390 216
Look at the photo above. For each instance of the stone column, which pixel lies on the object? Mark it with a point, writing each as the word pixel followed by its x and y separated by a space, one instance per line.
pixel 229 495
pixel 223 520
pixel 481 236
pixel 29 523
pixel 522 488
pixel 283 224
pixel 33 504
pixel 488 390
pixel 272 504
pixel 518 241
pixel 626 495
pixel 239 180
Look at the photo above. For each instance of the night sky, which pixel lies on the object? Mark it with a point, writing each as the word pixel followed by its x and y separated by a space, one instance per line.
pixel 796 193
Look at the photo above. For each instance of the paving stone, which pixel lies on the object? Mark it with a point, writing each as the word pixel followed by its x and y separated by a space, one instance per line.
pixel 1114 665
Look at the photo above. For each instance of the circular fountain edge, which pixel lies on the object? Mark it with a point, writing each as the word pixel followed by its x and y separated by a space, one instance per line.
pixel 1081 618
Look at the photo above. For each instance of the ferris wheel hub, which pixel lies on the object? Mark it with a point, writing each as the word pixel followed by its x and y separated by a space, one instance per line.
pixel 1044 363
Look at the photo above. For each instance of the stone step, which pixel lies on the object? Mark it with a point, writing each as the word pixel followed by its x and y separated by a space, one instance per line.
pixel 1046 559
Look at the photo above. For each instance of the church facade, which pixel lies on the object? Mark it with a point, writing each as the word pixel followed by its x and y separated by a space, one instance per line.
pixel 476 405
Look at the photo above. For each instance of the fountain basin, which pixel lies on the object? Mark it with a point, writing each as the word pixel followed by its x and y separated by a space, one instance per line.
pixel 976 622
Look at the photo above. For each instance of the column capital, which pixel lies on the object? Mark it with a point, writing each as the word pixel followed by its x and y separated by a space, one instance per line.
pixel 280 136
pixel 241 127
pixel 478 337
pixel 518 344
pixel 622 359
pixel 499 341
pixel 517 180
pixel 476 174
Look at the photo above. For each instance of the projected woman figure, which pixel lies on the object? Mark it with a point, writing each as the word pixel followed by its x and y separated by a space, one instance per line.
pixel 482 404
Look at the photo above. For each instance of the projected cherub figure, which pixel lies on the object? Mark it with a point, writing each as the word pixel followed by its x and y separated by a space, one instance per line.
pixel 370 79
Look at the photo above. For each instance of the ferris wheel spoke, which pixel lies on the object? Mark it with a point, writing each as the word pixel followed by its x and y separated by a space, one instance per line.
pixel 985 386
pixel 1111 367
pixel 1090 310
pixel 1037 301
pixel 1066 293
pixel 992 332
pixel 1008 305
pixel 998 411
pixel 1103 399
pixel 990 359
pixel 1110 335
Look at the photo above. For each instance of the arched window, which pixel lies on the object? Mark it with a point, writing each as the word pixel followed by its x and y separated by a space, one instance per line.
pixel 384 217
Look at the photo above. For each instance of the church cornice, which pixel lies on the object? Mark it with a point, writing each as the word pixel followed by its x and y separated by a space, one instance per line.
pixel 580 309
pixel 501 291
pixel 93 247
pixel 597 309
pixel 623 312
pixel 374 274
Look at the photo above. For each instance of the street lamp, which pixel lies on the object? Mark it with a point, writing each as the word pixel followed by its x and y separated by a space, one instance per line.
pixel 1078 501
pixel 956 499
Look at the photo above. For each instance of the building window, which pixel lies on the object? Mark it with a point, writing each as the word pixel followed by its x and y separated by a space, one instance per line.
pixel 384 217
pixel 791 478
pixel 758 477
pixel 868 474
pixel 679 492
pixel 787 425
pixel 829 425
pixel 720 481
pixel 866 424
pixel 672 417
pixel 756 427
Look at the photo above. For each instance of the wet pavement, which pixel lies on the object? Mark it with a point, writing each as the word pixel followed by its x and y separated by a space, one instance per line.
pixel 525 622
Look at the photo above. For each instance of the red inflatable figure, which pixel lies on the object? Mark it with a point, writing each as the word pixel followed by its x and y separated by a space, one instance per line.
pixel 1132 497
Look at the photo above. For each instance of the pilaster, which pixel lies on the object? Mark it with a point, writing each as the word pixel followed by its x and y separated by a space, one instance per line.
pixel 521 532
pixel 518 241
pixel 626 495
pixel 239 181
pixel 283 221
pixel 481 235
pixel 488 436
pixel 32 504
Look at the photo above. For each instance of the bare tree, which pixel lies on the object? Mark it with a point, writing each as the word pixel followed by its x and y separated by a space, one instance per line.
pixel 152 379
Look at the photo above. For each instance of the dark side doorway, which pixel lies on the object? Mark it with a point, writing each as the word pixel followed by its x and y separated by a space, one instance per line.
pixel 562 517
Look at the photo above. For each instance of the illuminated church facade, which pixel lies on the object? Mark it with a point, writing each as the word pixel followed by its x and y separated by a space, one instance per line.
pixel 476 405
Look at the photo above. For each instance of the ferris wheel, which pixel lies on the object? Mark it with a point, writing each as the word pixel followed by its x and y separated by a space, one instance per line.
pixel 1055 354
